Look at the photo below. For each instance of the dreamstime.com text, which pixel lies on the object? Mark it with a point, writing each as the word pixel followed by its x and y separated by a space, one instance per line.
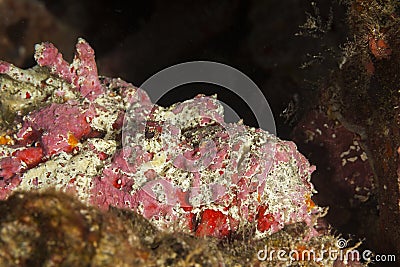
pixel 331 254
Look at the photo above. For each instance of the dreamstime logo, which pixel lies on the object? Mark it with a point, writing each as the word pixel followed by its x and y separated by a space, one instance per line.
pixel 330 254
pixel 341 243
pixel 341 253
pixel 143 129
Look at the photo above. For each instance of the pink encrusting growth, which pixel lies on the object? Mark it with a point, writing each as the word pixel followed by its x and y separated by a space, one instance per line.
pixel 47 132
pixel 47 55
pixel 177 166
pixel 57 135
pixel 4 66
pixel 82 73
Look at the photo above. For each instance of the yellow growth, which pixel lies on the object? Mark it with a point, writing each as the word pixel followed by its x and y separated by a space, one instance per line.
pixel 309 203
pixel 72 141
pixel 6 140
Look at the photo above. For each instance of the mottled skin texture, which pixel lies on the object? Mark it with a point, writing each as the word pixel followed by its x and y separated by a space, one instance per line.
pixel 182 167
pixel 242 173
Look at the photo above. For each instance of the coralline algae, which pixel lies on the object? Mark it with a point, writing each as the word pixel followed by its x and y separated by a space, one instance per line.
pixel 182 167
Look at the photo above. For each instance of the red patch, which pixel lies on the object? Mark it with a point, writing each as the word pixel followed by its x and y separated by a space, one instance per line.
pixel 102 156
pixel 379 48
pixel 213 223
pixel 9 167
pixel 264 221
pixel 31 156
